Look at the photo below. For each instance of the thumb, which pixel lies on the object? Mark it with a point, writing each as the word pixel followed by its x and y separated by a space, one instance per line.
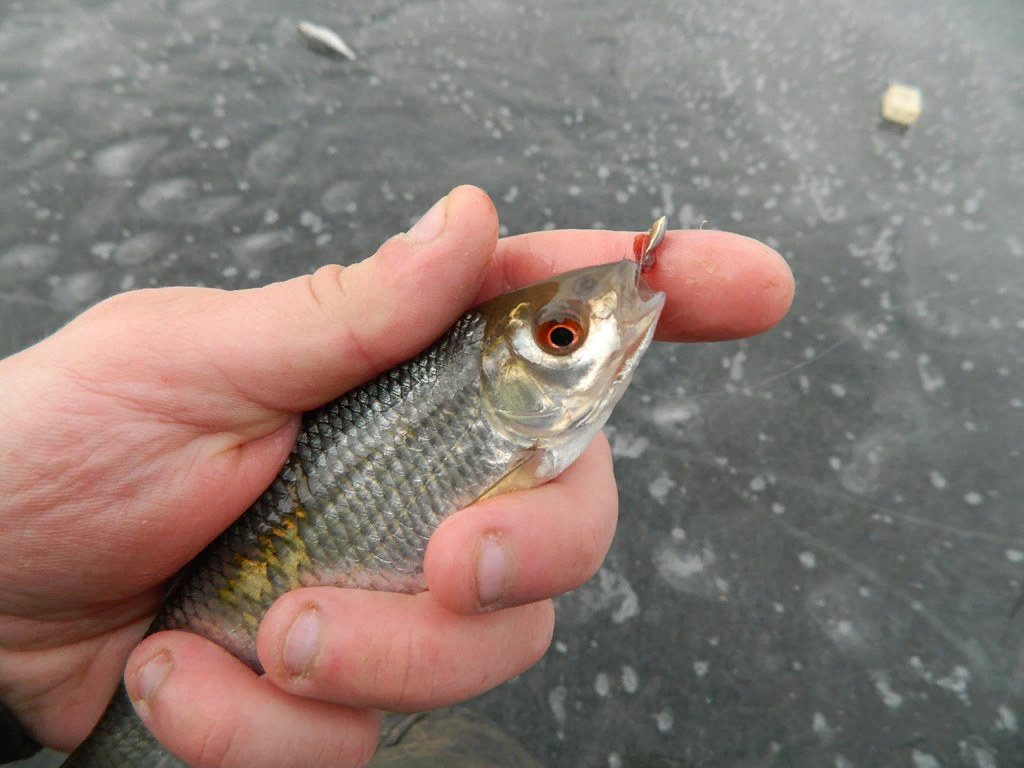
pixel 203 356
pixel 294 345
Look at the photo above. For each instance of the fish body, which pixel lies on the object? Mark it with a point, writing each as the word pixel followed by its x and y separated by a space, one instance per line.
pixel 505 400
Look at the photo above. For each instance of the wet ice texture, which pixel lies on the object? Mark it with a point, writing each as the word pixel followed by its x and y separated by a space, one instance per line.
pixel 26 261
pixel 127 158
pixel 820 540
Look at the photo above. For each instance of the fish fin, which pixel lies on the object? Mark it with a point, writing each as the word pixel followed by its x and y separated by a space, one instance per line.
pixel 521 477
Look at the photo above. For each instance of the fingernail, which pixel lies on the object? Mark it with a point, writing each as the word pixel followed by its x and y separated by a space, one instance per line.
pixel 491 570
pixel 432 223
pixel 151 674
pixel 302 642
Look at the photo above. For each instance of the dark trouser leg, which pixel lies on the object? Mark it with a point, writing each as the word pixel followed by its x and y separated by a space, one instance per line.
pixel 449 738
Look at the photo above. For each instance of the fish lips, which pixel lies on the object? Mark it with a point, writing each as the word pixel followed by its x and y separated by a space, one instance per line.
pixel 642 310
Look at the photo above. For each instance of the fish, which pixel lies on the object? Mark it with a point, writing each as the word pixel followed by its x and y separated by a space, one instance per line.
pixel 505 400
pixel 324 40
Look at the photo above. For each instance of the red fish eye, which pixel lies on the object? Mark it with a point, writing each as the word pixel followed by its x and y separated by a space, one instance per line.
pixel 560 336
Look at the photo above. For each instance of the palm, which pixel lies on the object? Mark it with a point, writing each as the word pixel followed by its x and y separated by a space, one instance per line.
pixel 152 462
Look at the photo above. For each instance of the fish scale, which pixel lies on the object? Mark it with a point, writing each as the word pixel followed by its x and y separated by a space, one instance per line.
pixel 320 521
pixel 373 473
pixel 319 517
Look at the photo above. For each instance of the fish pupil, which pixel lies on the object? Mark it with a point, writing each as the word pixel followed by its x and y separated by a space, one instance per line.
pixel 562 336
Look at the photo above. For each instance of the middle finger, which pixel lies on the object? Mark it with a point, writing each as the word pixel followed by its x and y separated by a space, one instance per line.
pixel 529 545
pixel 401 653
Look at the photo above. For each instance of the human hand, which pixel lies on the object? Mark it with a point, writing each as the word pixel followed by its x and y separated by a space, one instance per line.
pixel 138 432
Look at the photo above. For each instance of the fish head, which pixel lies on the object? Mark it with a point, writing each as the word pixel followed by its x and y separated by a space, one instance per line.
pixel 559 354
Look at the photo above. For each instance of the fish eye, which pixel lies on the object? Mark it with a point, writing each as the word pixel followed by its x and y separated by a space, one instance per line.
pixel 560 336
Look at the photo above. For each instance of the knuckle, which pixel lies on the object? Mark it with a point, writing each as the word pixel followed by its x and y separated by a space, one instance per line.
pixel 542 634
pixel 589 549
pixel 364 746
pixel 326 286
pixel 597 533
pixel 216 746
pixel 407 670
pixel 329 293
pixel 353 747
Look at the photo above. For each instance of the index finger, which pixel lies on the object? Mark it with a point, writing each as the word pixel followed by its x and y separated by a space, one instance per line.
pixel 719 285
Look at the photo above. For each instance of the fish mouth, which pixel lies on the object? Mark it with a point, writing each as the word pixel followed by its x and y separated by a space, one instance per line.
pixel 641 311
pixel 644 304
pixel 650 302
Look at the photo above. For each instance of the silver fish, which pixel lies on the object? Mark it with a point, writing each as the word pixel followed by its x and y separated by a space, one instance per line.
pixel 505 400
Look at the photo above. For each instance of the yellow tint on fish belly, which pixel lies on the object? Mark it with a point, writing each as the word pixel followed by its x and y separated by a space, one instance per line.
pixel 281 556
